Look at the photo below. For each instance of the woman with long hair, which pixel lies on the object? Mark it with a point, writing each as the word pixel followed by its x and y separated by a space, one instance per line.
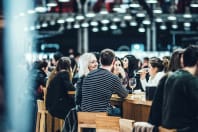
pixel 58 102
pixel 87 63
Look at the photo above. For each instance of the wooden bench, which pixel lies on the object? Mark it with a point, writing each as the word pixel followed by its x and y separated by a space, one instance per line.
pixel 107 123
pixel 88 119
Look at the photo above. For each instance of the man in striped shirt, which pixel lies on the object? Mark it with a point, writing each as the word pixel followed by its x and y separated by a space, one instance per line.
pixel 100 84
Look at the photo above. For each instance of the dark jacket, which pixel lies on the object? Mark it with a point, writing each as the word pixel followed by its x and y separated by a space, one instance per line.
pixel 177 109
pixel 155 116
pixel 58 102
pixel 39 78
pixel 78 95
pixel 180 102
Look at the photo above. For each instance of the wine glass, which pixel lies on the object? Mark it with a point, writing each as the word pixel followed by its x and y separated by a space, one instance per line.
pixel 132 83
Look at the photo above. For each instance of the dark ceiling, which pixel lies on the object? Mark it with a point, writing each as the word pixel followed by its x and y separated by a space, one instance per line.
pixel 123 36
pixel 1 7
pixel 113 39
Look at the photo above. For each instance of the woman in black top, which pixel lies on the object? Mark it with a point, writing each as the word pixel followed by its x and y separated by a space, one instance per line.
pixel 58 102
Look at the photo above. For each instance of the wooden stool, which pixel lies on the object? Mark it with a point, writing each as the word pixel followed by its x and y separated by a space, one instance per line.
pixel 107 123
pixel 57 124
pixel 53 124
pixel 162 129
pixel 88 119
pixel 126 125
pixel 41 116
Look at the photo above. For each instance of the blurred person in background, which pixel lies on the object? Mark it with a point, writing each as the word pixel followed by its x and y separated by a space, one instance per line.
pixel 176 60
pixel 180 95
pixel 145 63
pixel 155 73
pixel 39 78
pixel 55 59
pixel 175 63
pixel 58 102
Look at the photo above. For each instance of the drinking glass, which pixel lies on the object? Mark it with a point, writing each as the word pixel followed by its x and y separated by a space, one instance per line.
pixel 132 83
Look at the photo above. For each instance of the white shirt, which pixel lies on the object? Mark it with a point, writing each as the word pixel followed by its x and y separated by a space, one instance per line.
pixel 153 81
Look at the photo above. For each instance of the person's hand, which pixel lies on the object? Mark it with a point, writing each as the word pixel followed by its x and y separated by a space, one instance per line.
pixel 142 73
pixel 122 72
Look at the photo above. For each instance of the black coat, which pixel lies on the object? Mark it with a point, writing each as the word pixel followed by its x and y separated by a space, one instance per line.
pixel 58 102
pixel 38 77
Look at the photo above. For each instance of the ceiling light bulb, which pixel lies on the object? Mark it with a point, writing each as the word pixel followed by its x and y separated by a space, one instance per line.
pixel 94 23
pixel 163 26
pixel 95 29
pixel 85 24
pixel 63 0
pixel 187 24
pixel 174 25
pixel 194 4
pixel 127 17
pixel 151 1
pixel 90 14
pixel 113 26
pixel 141 29
pixel 158 19
pixel 172 17
pixel 133 23
pixel 104 28
pixel 80 17
pixel 76 25
pixel 146 21
pixel 134 4
pixel 187 13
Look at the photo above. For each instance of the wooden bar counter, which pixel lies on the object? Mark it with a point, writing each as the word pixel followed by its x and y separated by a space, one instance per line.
pixel 134 107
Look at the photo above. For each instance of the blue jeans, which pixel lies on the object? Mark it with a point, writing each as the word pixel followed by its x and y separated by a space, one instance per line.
pixel 115 111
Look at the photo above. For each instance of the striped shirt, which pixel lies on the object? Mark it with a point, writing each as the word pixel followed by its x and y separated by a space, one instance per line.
pixel 97 90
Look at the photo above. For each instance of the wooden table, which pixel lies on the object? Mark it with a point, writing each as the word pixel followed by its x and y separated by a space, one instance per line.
pixel 134 107
pixel 71 92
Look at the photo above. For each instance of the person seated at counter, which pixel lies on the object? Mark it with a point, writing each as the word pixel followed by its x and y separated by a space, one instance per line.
pixel 155 73
pixel 118 70
pixel 58 102
pixel 130 65
pixel 87 63
pixel 176 62
pixel 99 85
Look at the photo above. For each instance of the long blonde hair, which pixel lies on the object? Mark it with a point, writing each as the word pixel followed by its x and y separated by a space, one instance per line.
pixel 83 63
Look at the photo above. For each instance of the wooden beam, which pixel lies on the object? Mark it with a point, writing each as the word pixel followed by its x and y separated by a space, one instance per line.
pixel 1 23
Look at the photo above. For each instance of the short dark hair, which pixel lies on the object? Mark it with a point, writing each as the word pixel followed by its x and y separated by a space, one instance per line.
pixel 107 56
pixel 57 56
pixel 156 62
pixel 190 56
